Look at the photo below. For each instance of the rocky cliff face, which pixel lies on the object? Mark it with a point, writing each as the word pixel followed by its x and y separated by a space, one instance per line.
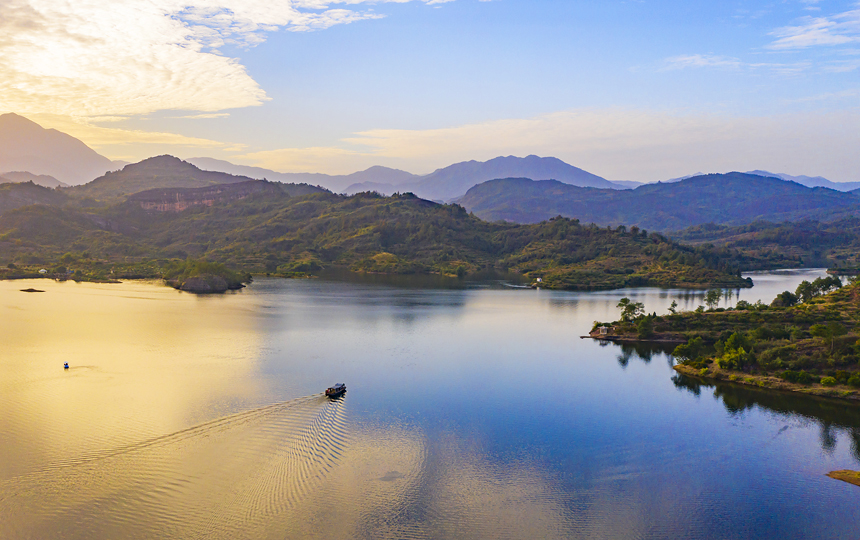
pixel 179 199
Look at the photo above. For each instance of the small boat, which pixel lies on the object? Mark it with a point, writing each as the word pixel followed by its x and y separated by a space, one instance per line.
pixel 65 365
pixel 335 390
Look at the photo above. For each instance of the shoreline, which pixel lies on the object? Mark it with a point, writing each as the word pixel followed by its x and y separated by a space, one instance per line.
pixel 768 382
pixel 852 477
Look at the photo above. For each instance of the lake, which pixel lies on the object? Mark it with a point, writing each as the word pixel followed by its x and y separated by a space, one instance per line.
pixel 474 410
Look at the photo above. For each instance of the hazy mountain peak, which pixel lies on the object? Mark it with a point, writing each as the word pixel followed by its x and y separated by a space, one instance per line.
pixel 453 181
pixel 12 120
pixel 27 146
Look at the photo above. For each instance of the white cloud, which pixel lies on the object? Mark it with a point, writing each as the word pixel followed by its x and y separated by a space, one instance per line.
pixel 811 31
pixel 132 57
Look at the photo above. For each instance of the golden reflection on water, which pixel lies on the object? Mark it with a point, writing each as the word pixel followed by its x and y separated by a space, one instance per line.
pixel 141 438
pixel 140 358
pixel 128 444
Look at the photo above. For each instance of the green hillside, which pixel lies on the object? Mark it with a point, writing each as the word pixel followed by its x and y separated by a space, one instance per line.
pixel 780 245
pixel 16 195
pixel 277 233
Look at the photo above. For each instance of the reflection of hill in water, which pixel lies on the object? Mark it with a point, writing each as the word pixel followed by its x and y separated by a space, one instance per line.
pixel 643 351
pixel 480 280
pixel 832 416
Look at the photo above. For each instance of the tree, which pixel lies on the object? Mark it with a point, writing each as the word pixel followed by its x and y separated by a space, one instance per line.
pixel 629 309
pixel 690 350
pixel 712 298
pixel 784 299
pixel 805 291
pixel 673 308
pixel 645 328
pixel 828 332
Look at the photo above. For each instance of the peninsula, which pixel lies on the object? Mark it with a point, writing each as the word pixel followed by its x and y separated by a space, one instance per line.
pixel 804 341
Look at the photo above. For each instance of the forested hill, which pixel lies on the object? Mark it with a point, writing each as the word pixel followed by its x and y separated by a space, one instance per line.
pixel 733 198
pixel 17 194
pixel 268 231
pixel 833 244
pixel 155 172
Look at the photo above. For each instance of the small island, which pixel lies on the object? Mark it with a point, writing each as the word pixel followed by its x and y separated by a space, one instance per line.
pixel 805 341
pixel 203 277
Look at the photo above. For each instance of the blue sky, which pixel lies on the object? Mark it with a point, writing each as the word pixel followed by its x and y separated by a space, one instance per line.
pixel 637 90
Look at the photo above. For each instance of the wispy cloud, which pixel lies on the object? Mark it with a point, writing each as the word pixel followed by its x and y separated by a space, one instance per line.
pixel 692 61
pixel 127 57
pixel 701 60
pixel 203 116
pixel 827 96
pixel 838 29
pixel 98 136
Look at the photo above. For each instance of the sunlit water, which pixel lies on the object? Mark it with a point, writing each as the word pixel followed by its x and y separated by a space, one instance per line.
pixel 474 410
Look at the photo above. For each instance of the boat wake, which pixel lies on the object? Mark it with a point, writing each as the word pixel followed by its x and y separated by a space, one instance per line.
pixel 224 478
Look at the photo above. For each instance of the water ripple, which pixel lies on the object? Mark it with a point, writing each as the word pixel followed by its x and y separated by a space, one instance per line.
pixel 225 478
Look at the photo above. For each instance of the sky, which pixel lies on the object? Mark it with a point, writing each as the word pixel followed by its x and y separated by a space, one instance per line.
pixel 627 89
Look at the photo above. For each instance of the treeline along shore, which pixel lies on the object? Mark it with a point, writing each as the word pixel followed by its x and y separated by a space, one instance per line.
pixel 114 227
pixel 804 341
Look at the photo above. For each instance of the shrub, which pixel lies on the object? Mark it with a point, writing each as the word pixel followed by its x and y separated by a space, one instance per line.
pixel 854 381
pixel 828 381
pixel 801 377
pixel 734 359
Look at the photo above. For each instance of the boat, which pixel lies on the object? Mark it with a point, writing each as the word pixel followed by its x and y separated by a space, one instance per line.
pixel 65 365
pixel 336 390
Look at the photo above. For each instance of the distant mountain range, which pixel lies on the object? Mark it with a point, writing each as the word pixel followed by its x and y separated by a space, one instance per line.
pixel 733 198
pixel 51 158
pixel 441 185
pixel 27 146
pixel 383 176
pixel 808 181
pixel 453 181
pixel 812 181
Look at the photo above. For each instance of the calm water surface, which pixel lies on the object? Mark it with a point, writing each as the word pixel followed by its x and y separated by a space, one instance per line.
pixel 474 410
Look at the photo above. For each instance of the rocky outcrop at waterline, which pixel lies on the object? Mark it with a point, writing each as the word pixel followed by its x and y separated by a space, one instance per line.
pixel 205 284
